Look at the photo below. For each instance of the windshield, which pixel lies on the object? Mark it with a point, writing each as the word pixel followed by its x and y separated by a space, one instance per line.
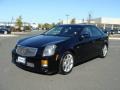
pixel 63 30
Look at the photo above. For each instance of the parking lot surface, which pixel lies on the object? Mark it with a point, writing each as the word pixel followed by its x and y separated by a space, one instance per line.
pixel 97 74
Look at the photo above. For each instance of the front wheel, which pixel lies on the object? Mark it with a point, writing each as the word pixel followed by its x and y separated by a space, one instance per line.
pixel 104 51
pixel 66 63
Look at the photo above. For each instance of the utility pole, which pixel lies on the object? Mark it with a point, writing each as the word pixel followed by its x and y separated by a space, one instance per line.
pixel 67 18
pixel 89 18
pixel 83 20
pixel 59 21
pixel 12 21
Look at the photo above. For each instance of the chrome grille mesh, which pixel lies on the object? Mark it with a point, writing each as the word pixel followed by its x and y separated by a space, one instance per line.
pixel 26 51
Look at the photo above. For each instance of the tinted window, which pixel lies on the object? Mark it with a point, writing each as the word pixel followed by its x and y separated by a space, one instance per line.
pixel 86 30
pixel 64 30
pixel 95 31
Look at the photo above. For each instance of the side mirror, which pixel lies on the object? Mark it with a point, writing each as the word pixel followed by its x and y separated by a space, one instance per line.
pixel 85 35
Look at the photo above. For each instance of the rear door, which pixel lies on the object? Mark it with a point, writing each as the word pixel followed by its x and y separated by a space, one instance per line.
pixel 97 39
pixel 85 46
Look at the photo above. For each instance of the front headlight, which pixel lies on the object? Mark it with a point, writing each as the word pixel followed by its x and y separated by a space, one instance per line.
pixel 49 50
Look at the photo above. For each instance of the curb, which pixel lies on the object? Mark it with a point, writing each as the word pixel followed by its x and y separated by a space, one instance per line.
pixel 20 33
pixel 8 35
pixel 114 38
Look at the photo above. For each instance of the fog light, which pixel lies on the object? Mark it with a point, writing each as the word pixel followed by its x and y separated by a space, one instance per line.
pixel 44 63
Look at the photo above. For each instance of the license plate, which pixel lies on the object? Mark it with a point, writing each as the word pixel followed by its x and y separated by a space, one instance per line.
pixel 30 64
pixel 21 60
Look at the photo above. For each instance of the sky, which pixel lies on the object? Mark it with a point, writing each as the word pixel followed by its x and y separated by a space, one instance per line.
pixel 41 11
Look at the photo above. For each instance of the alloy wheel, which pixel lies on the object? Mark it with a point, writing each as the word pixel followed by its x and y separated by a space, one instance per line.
pixel 67 63
pixel 105 50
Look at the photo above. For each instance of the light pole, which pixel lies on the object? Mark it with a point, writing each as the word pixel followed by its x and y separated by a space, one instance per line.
pixel 67 18
pixel 12 21
pixel 89 18
pixel 59 21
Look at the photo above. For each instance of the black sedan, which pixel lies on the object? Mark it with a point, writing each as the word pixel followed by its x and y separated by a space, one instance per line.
pixel 60 48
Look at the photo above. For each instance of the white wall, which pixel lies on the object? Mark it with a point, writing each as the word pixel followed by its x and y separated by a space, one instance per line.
pixel 110 20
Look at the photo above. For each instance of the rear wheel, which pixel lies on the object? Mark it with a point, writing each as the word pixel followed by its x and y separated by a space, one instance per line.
pixel 67 63
pixel 104 51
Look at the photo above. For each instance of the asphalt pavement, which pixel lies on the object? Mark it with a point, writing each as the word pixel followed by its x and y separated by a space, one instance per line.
pixel 97 74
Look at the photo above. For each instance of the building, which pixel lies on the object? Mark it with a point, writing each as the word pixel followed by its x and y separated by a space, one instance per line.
pixel 69 21
pixel 102 22
pixel 107 23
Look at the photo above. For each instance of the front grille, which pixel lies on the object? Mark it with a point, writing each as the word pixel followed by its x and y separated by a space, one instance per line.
pixel 26 51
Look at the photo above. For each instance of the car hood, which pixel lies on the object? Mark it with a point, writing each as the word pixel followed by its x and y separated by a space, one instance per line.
pixel 41 40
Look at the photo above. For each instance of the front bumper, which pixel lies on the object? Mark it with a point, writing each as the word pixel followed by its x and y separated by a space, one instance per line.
pixel 36 62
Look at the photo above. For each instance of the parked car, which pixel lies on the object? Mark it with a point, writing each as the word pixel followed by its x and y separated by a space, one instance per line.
pixel 60 48
pixel 5 29
pixel 118 31
pixel 108 32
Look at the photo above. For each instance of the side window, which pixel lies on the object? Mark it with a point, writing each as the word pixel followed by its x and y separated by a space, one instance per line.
pixel 86 30
pixel 95 32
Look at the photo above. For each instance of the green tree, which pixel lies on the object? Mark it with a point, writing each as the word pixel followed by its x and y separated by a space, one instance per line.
pixel 40 26
pixel 19 23
pixel 47 26
pixel 73 21
pixel 53 24
pixel 60 22
pixel 28 28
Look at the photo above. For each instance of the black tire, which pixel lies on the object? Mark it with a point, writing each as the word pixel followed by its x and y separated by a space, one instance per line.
pixel 104 51
pixel 62 62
